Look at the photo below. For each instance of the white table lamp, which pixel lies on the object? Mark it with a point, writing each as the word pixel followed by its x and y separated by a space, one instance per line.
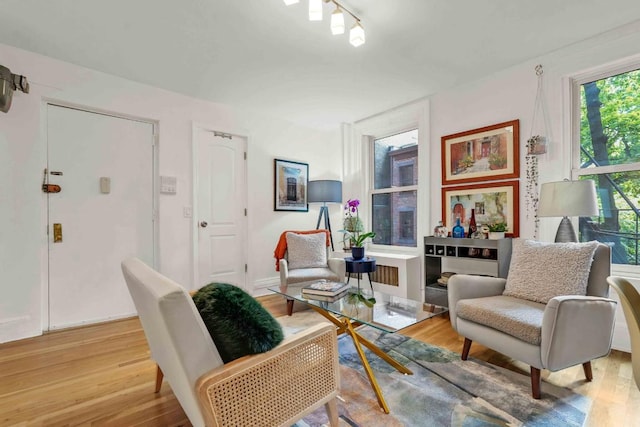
pixel 565 199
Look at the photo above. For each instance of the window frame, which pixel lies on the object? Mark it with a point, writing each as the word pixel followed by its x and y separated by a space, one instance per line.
pixel 393 189
pixel 358 170
pixel 576 82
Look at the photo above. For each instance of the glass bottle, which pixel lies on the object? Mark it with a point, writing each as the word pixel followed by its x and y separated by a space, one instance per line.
pixel 472 223
pixel 440 230
pixel 458 230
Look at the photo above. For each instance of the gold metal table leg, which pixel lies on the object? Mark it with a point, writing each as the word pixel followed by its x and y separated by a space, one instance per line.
pixel 344 325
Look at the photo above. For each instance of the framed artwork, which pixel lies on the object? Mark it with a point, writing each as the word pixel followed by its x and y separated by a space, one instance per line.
pixel 486 154
pixel 290 186
pixel 493 202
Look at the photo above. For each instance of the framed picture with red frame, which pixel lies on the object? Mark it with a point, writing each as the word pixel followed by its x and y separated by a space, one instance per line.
pixel 485 154
pixel 493 203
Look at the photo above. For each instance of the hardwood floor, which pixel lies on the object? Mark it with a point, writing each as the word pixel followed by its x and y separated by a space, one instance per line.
pixel 102 375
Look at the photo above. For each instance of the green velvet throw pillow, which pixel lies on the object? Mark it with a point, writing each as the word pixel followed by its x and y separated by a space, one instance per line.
pixel 238 324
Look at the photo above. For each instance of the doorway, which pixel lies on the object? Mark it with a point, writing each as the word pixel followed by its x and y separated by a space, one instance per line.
pixel 220 216
pixel 103 213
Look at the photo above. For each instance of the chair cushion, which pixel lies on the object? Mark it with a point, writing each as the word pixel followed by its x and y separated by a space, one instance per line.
pixel 306 274
pixel 540 271
pixel 306 250
pixel 517 317
pixel 238 324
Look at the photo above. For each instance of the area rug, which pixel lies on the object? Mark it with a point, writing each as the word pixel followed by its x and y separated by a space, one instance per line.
pixel 443 391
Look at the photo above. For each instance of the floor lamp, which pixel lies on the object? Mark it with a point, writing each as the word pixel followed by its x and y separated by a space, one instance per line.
pixel 565 199
pixel 325 191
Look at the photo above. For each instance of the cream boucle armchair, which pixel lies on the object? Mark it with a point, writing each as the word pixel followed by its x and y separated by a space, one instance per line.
pixel 306 256
pixel 566 331
pixel 276 388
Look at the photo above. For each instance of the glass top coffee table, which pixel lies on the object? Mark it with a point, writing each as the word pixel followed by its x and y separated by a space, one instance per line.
pixel 389 313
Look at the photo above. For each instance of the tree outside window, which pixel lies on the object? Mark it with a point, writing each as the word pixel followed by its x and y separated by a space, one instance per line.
pixel 609 145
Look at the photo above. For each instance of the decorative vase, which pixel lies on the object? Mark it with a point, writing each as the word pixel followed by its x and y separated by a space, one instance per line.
pixel 472 224
pixel 357 252
pixel 458 230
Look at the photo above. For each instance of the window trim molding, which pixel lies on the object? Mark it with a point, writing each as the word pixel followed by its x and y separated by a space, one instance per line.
pixel 574 83
pixel 401 119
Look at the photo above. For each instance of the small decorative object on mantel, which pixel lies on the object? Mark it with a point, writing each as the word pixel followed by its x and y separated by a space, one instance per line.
pixel 440 230
pixel 356 237
pixel 537 144
pixel 497 230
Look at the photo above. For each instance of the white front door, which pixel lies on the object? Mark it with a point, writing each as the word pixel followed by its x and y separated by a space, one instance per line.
pixel 103 213
pixel 220 216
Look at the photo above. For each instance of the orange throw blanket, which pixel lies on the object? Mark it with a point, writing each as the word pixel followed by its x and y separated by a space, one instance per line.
pixel 281 247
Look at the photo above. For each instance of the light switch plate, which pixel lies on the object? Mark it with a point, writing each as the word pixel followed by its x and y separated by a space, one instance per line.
pixel 168 184
pixel 105 185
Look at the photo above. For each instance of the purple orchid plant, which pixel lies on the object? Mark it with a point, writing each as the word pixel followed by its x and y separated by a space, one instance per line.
pixel 353 226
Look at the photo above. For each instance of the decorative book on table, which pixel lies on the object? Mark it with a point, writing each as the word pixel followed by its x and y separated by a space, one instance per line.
pixel 326 298
pixel 325 288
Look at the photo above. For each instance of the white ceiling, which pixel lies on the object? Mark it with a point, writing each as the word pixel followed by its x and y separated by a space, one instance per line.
pixel 263 55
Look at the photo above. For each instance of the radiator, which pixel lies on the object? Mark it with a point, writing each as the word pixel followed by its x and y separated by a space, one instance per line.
pixel 385 274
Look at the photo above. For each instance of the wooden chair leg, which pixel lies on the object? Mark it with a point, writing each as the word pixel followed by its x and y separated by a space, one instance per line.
pixel 588 373
pixel 332 412
pixel 535 382
pixel 289 307
pixel 159 377
pixel 465 348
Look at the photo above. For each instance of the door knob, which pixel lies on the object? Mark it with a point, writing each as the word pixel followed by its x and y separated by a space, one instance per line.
pixel 203 224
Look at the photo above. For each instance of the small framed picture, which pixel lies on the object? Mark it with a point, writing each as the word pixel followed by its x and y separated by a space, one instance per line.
pixel 290 186
pixel 493 203
pixel 486 154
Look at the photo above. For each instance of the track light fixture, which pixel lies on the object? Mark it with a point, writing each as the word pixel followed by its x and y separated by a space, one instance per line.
pixel 356 35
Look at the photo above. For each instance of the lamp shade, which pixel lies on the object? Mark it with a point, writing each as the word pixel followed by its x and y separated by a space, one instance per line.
pixel 324 191
pixel 568 198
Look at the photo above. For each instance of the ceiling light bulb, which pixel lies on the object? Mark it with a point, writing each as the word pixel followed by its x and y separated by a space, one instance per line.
pixel 315 10
pixel 356 35
pixel 337 22
pixel 290 2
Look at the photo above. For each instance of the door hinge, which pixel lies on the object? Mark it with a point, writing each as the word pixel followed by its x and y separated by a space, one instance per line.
pixel 246 268
pixel 222 135
pixel 245 155
pixel 245 211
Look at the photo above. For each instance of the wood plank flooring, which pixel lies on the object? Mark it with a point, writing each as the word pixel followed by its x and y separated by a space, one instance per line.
pixel 102 375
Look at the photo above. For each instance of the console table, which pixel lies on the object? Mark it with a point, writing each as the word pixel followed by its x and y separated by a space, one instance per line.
pixel 460 255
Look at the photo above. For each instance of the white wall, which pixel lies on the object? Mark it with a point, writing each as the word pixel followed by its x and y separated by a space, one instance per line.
pixel 23 158
pixel 510 95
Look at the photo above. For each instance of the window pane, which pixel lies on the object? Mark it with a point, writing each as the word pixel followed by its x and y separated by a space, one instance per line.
pixel 610 120
pixel 618 221
pixel 394 218
pixel 396 160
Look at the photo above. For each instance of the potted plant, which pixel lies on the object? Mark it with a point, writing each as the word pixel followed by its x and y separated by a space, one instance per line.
pixel 497 230
pixel 354 229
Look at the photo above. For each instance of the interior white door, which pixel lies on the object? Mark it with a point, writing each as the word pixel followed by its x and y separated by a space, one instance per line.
pixel 104 166
pixel 221 219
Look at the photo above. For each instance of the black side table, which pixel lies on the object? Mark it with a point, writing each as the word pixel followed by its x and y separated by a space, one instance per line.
pixel 359 266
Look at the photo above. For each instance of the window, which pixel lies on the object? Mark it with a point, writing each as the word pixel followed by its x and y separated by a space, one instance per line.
pixel 609 153
pixel 394 195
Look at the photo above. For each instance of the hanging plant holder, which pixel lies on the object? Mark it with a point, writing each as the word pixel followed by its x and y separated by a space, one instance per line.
pixel 540 130
pixel 537 144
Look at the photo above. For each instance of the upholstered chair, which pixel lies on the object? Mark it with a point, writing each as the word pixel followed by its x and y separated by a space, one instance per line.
pixel 630 300
pixel 275 388
pixel 555 312
pixel 307 257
